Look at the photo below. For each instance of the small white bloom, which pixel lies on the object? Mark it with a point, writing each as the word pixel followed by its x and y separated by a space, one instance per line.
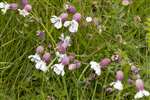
pixel 96 67
pixel 89 19
pixel 117 85
pixel 23 12
pixel 60 56
pixel 35 58
pixel 4 6
pixel 56 21
pixel 41 65
pixel 141 94
pixel 59 69
pixel 73 25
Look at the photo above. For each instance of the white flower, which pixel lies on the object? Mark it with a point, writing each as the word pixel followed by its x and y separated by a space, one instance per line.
pixel 56 21
pixel 96 67
pixel 89 19
pixel 141 94
pixel 23 12
pixel 41 65
pixel 117 85
pixel 73 25
pixel 59 69
pixel 4 6
pixel 35 58
pixel 60 56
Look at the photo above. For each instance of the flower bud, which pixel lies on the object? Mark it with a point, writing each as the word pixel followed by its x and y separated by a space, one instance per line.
pixel 72 67
pixel 134 69
pixel 46 57
pixel 119 75
pixel 40 49
pixel 105 62
pixel 24 2
pixel 78 63
pixel 77 17
pixel 139 84
pixel 70 9
pixel 13 6
pixel 28 7
pixel 40 34
pixel 116 58
pixel 63 16
pixel 125 2
pixel 65 60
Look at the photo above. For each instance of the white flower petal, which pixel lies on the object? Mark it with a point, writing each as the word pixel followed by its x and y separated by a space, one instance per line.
pixel 89 19
pixel 54 19
pixel 41 65
pixel 146 93
pixel 138 95
pixel 118 85
pixel 23 12
pixel 58 69
pixel 35 58
pixel 2 5
pixel 67 23
pixel 58 24
pixel 74 26
pixel 96 67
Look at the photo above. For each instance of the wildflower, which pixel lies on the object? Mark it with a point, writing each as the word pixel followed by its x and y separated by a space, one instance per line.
pixel 70 9
pixel 96 67
pixel 39 49
pixel 73 25
pixel 13 6
pixel 46 57
pixel 116 58
pixel 24 2
pixel 63 44
pixel 40 34
pixel 141 91
pixel 25 11
pixel 105 62
pixel 60 56
pixel 58 69
pixel 41 65
pixel 119 77
pixel 134 69
pixel 57 21
pixel 65 60
pixel 4 6
pixel 75 65
pixel 125 2
pixel 89 19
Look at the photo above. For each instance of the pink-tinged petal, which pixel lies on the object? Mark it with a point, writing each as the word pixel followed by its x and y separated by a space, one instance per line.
pixel 13 6
pixel 28 7
pixel 139 84
pixel 63 16
pixel 39 49
pixel 77 17
pixel 46 57
pixel 119 75
pixel 105 62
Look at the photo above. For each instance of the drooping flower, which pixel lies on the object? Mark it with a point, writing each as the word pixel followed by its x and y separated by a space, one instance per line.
pixel 73 25
pixel 58 69
pixel 141 91
pixel 39 49
pixel 26 10
pixel 65 60
pixel 41 65
pixel 70 8
pixel 24 2
pixel 57 21
pixel 46 57
pixel 117 84
pixel 74 65
pixel 63 44
pixel 105 62
pixel 96 67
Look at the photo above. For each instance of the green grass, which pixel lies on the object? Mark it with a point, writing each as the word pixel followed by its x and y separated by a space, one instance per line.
pixel 19 80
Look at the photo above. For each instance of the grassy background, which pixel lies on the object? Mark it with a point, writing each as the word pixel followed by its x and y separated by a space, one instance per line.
pixel 19 80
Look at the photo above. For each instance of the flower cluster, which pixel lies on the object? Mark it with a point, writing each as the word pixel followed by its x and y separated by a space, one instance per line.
pixel 4 6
